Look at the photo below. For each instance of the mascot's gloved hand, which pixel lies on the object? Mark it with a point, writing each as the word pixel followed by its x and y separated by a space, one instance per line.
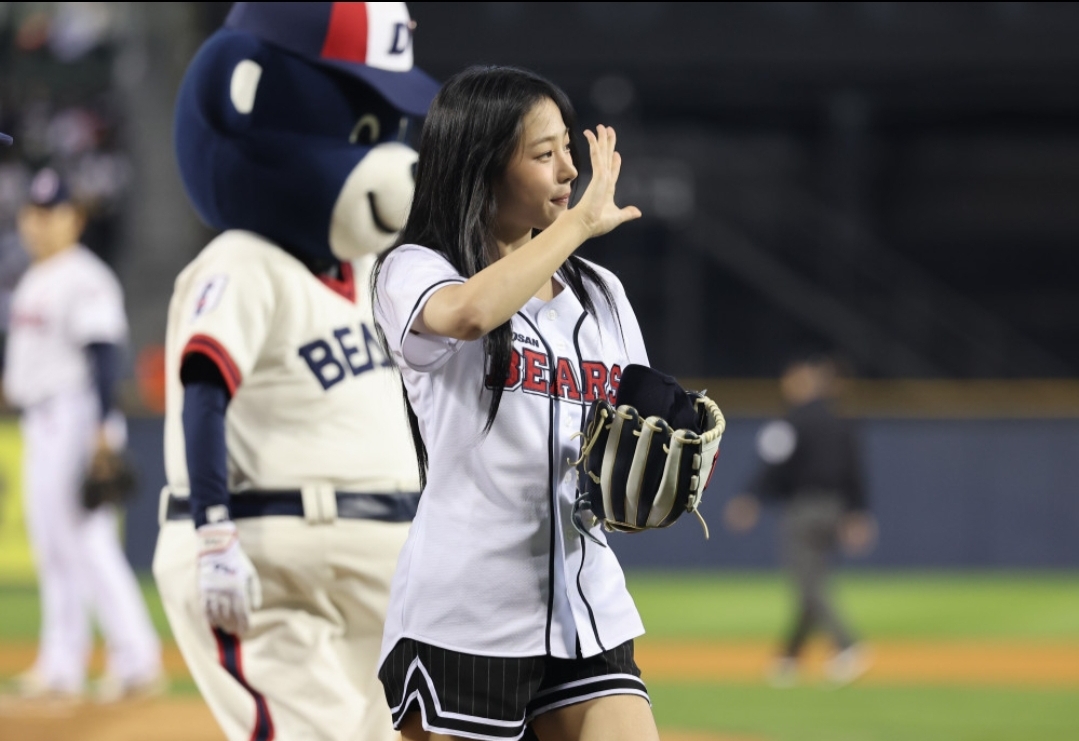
pixel 229 586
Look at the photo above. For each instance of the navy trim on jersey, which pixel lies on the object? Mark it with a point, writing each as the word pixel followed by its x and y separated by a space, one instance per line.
pixel 584 543
pixel 419 302
pixel 228 652
pixel 551 491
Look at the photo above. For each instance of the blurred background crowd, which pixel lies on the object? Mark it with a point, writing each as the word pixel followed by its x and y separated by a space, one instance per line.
pixel 894 181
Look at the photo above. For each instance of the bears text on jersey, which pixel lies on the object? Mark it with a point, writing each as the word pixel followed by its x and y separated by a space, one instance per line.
pixel 531 372
pixel 350 353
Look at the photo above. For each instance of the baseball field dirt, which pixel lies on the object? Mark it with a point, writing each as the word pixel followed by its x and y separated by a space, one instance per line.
pixel 170 719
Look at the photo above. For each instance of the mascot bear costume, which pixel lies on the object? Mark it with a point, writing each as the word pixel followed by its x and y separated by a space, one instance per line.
pixel 291 478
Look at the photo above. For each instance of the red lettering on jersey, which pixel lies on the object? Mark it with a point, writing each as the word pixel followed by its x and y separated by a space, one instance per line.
pixel 616 379
pixel 565 383
pixel 535 364
pixel 594 377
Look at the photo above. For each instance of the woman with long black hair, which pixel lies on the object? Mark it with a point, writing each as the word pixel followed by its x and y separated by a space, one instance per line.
pixel 502 615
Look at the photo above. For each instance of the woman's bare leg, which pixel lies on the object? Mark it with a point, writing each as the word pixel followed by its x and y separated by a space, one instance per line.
pixel 612 718
pixel 412 730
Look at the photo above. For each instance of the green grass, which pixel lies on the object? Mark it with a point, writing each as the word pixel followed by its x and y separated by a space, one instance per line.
pixel 871 713
pixel 940 606
pixel 1032 606
pixel 20 614
pixel 1022 606
pixel 978 605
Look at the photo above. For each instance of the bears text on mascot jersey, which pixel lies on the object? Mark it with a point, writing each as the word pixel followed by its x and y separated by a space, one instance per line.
pixel 291 480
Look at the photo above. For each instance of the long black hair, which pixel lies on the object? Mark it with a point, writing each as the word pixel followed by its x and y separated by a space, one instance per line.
pixel 471 133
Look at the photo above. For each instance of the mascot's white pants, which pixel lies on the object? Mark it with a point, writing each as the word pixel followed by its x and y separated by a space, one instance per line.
pixel 82 571
pixel 307 668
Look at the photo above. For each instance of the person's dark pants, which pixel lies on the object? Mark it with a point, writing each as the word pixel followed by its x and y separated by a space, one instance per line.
pixel 810 529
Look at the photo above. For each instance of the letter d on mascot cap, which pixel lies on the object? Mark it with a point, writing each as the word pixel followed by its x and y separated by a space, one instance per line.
pixel 291 122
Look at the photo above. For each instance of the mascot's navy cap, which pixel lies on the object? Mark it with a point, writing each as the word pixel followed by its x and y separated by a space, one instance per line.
pixel 371 41
pixel 278 110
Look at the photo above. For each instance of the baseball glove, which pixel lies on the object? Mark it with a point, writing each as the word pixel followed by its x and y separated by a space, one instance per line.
pixel 648 460
pixel 110 480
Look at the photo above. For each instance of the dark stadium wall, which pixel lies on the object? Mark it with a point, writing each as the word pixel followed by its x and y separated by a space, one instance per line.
pixel 948 494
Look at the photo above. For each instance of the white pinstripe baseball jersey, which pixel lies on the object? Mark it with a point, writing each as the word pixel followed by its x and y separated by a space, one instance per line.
pixel 493 565
pixel 60 306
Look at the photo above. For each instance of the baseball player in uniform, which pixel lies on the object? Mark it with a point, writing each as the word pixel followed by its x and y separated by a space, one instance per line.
pixel 503 615
pixel 291 480
pixel 63 347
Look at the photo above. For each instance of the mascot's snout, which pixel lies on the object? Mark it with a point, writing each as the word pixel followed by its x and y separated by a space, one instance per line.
pixel 374 201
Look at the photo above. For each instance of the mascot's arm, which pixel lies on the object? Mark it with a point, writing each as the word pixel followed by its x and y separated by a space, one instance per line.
pixel 229 586
pixel 206 398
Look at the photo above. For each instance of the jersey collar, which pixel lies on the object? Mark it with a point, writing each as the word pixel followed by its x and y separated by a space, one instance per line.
pixel 345 285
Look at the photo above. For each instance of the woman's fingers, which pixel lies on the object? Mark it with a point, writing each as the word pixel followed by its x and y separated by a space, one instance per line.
pixel 593 148
pixel 616 168
pixel 601 148
pixel 606 168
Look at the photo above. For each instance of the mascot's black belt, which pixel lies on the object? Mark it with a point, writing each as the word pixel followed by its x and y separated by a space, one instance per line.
pixel 350 505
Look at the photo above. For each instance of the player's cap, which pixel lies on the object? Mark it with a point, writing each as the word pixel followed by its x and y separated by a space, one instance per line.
pixel 371 41
pixel 6 140
pixel 48 189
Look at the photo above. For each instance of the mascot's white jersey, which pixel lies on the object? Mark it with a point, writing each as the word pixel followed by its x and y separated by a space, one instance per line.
pixel 295 351
pixel 60 306
pixel 493 565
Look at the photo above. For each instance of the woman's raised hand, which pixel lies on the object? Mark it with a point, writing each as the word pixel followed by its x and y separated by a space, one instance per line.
pixel 597 209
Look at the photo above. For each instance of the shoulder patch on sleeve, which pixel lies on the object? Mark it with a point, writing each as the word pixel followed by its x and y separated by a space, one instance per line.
pixel 209 295
pixel 776 441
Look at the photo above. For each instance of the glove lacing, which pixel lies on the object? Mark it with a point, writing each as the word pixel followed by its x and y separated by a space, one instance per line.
pixel 591 435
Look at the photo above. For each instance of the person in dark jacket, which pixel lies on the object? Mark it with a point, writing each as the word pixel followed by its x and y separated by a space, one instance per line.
pixel 810 467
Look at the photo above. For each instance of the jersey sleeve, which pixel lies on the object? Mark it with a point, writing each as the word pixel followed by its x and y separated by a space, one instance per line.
pixel 226 311
pixel 96 313
pixel 409 277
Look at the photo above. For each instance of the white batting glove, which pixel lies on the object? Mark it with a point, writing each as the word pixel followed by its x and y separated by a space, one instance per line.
pixel 228 583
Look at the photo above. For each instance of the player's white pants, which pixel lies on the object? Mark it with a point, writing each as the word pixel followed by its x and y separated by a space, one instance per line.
pixel 81 567
pixel 307 669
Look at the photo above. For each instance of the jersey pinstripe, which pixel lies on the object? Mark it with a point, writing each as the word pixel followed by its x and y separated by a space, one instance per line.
pixel 493 565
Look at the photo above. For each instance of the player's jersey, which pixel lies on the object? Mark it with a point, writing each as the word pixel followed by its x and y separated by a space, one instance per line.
pixel 60 306
pixel 493 565
pixel 313 398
